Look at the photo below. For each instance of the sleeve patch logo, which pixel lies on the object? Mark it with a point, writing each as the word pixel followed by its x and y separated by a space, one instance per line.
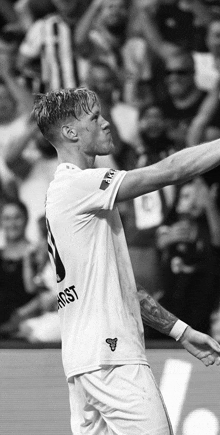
pixel 107 179
pixel 112 343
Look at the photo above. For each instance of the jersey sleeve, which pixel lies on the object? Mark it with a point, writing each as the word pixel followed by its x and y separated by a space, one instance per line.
pixel 99 188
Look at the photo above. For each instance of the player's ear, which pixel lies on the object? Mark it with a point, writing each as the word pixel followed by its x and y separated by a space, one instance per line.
pixel 69 133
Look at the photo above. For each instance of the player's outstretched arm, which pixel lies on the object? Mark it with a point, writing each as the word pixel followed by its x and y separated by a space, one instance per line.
pixel 200 345
pixel 153 314
pixel 177 168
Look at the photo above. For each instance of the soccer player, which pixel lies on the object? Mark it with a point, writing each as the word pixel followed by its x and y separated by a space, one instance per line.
pixel 111 387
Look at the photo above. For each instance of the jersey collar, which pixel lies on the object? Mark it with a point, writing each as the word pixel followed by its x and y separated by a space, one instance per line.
pixel 67 165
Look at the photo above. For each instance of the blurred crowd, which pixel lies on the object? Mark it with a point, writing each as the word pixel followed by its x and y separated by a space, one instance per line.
pixel 155 65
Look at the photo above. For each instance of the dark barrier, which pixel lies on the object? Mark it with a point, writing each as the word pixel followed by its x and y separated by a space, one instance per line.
pixel 34 394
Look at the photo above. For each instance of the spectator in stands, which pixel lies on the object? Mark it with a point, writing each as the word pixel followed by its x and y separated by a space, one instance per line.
pixel 29 11
pixel 19 132
pixel 184 97
pixel 48 52
pixel 145 213
pixel 15 102
pixel 38 320
pixel 102 33
pixel 30 306
pixel 33 161
pixel 15 106
pixel 8 117
pixel 206 124
pixel 208 63
pixel 154 141
pixel 164 24
pixel 16 272
pixel 187 242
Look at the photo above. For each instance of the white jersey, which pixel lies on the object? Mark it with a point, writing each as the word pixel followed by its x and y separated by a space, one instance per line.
pixel 97 297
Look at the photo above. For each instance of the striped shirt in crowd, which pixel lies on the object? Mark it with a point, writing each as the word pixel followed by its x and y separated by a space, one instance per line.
pixel 51 40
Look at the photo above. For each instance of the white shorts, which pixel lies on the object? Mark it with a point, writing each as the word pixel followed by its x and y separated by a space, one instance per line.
pixel 117 400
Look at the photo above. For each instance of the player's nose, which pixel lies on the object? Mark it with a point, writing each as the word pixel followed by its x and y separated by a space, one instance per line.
pixel 105 125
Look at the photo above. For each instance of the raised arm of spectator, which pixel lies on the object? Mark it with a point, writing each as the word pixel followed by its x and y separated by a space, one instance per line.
pixel 151 31
pixel 85 24
pixel 175 169
pixel 14 158
pixel 31 46
pixel 9 188
pixel 19 92
pixel 23 11
pixel 13 153
pixel 207 196
pixel 205 114
pixel 7 11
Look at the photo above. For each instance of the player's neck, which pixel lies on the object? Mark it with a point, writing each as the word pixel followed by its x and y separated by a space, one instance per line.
pixel 81 160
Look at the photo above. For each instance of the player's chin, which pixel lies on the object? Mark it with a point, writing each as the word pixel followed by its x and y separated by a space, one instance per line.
pixel 111 144
pixel 108 148
pixel 112 147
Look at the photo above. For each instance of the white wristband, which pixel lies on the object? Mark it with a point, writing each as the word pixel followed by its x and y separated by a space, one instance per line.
pixel 178 330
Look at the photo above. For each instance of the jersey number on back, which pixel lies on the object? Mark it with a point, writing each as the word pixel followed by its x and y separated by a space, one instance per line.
pixel 54 254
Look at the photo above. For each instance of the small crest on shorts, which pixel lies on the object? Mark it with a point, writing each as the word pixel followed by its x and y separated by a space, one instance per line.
pixel 112 343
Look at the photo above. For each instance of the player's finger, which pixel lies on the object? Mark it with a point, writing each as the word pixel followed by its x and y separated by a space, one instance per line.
pixel 211 360
pixel 217 360
pixel 205 361
pixel 214 344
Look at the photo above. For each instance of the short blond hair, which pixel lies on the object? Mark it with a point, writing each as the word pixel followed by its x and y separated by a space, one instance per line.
pixel 55 106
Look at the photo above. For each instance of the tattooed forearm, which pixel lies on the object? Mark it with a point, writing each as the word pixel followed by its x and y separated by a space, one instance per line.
pixel 154 315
